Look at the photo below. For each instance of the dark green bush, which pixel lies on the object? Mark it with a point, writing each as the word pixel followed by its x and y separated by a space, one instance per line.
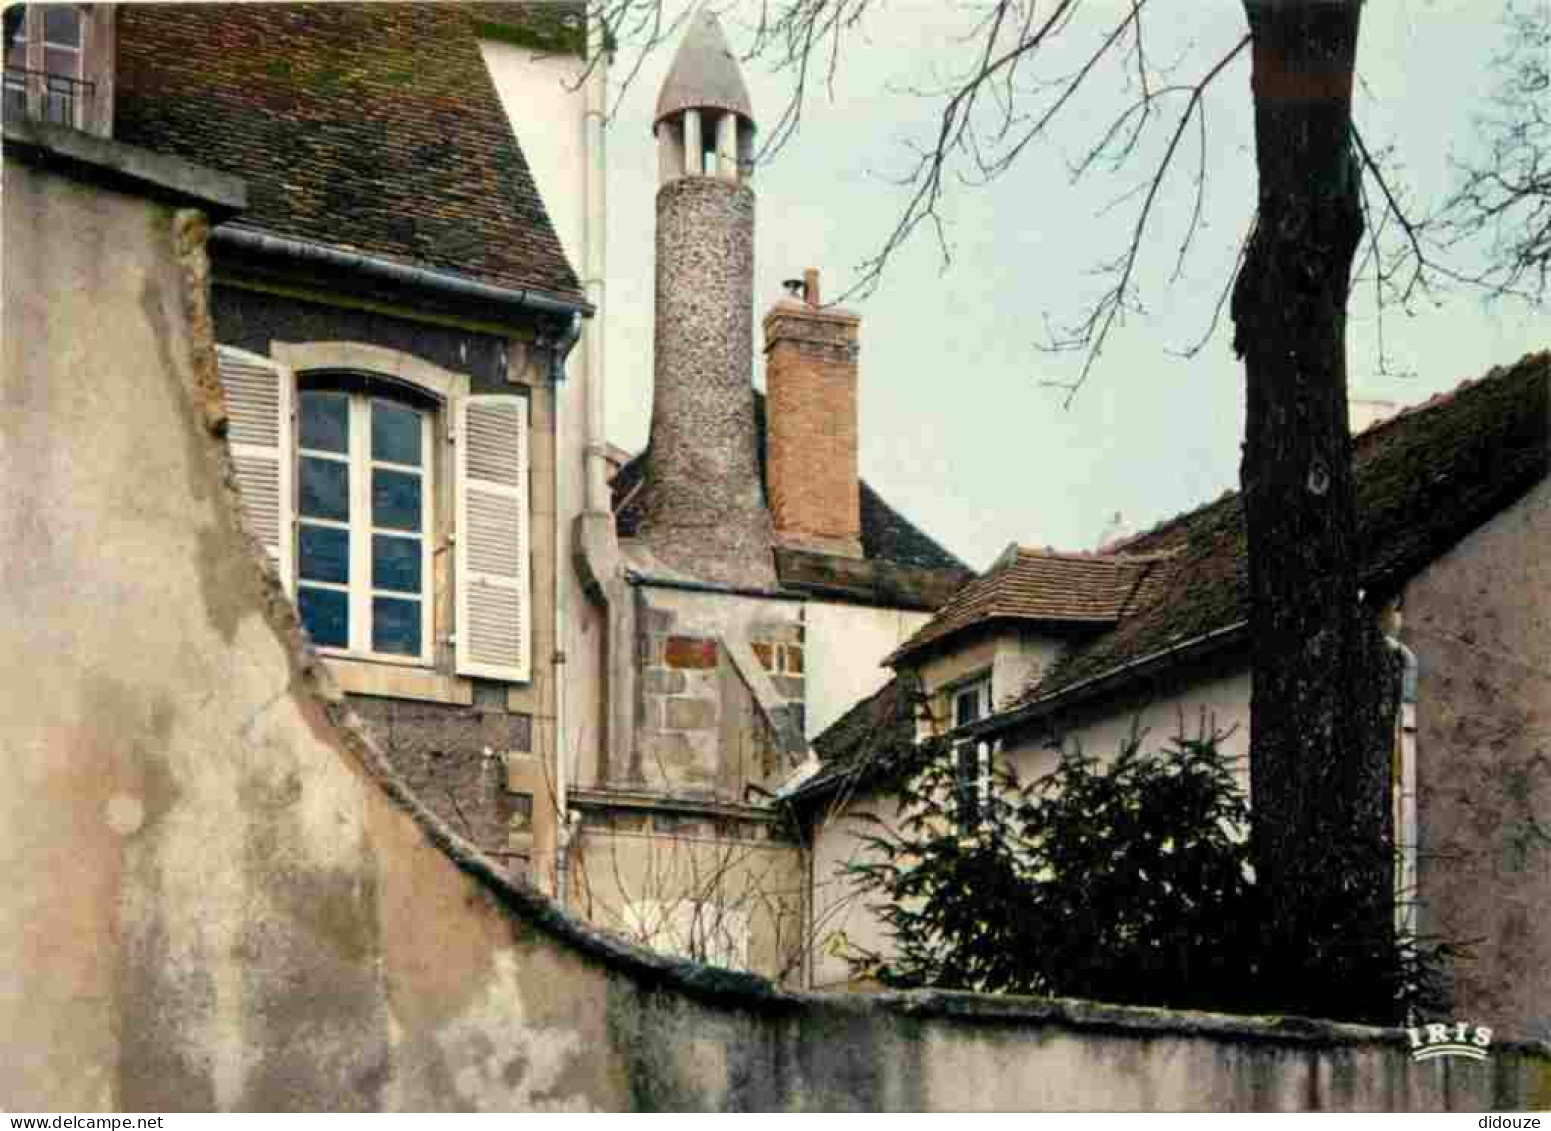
pixel 1129 881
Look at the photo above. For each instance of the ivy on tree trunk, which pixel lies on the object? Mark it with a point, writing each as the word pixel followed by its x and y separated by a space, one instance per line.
pixel 1323 700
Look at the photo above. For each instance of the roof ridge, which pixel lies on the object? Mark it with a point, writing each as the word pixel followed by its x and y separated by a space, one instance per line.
pixel 1407 412
pixel 1050 552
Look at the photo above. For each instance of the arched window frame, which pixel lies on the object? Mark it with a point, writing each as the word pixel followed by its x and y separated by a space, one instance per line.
pixel 392 374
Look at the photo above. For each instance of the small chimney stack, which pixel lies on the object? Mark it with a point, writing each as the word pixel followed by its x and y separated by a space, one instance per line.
pixel 810 423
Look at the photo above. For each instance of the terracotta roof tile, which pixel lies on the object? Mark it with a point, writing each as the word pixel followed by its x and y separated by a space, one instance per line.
pixel 370 127
pixel 1042 587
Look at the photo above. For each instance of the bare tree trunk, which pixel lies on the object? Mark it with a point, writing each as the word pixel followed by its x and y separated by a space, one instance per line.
pixel 1321 714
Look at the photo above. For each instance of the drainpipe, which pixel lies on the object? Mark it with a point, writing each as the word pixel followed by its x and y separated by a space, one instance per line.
pixel 595 498
pixel 1405 794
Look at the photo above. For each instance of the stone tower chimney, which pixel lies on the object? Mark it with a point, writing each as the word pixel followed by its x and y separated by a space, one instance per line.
pixel 810 423
pixel 703 511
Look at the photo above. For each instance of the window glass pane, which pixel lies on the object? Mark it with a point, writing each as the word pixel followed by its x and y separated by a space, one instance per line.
pixel 396 563
pixel 396 626
pixel 395 499
pixel 325 614
pixel 325 554
pixel 325 422
pixel 395 433
pixel 15 101
pixel 65 62
pixel 62 25
pixel 966 707
pixel 17 55
pixel 324 490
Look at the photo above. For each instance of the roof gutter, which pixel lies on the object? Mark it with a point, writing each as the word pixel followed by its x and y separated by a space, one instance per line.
pixel 444 284
pixel 1194 648
pixel 635 577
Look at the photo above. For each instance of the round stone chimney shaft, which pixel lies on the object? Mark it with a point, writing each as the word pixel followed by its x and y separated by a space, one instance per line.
pixel 703 509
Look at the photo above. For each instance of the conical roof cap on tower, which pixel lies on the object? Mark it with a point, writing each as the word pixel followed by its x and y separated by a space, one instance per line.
pixel 705 74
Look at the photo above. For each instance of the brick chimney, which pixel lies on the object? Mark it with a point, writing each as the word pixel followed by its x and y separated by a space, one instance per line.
pixel 810 422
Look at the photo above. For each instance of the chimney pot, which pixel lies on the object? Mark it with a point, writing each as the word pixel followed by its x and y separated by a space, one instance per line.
pixel 810 286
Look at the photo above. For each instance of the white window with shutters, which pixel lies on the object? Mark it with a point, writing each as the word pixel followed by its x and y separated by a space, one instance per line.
pixel 492 541
pixel 338 472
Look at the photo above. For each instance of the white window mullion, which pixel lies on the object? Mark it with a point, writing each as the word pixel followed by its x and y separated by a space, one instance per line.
pixel 360 525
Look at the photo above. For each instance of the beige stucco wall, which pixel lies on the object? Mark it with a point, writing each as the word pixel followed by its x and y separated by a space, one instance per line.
pixel 840 920
pixel 846 646
pixel 218 896
pixel 1479 620
pixel 633 872
pixel 1221 701
pixel 1011 657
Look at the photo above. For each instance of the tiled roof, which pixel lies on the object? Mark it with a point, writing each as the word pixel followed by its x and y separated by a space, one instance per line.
pixel 1425 479
pixel 867 745
pixel 369 127
pixel 1042 587
pixel 887 536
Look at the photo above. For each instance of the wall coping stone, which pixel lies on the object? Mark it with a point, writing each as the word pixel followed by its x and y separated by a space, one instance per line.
pixel 128 168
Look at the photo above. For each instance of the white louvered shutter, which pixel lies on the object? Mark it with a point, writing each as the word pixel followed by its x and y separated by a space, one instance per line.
pixel 258 405
pixel 492 538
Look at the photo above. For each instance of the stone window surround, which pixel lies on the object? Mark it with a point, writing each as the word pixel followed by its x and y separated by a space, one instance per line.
pixel 382 679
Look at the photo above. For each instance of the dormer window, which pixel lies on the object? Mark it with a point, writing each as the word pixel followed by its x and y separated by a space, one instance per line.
pixel 56 66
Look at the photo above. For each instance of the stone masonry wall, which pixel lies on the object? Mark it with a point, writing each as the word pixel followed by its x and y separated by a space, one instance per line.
pixel 455 758
pixel 699 729
pixel 703 511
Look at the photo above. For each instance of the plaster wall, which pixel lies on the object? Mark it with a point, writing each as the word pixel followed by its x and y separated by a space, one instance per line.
pixel 1221 700
pixel 1479 621
pixel 220 896
pixel 1021 658
pixel 213 901
pixel 840 920
pixel 845 644
pixel 1010 657
pixel 663 880
pixel 545 98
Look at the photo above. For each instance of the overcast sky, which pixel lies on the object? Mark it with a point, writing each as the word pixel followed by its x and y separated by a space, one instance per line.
pixel 958 429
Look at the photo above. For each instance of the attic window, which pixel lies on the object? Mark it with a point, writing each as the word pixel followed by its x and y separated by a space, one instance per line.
pixel 971 757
